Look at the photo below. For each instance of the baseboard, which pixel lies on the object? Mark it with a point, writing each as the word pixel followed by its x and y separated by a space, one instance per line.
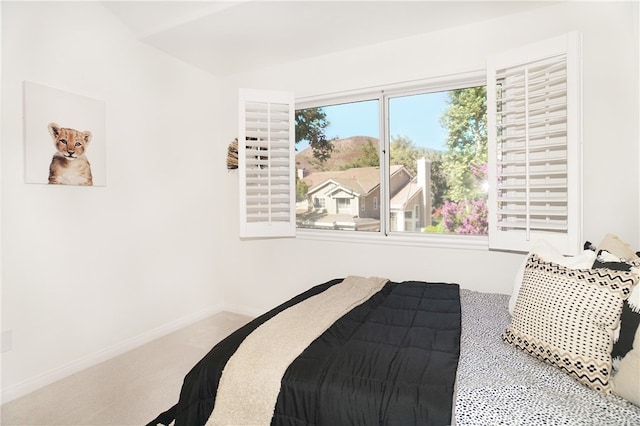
pixel 42 380
pixel 242 310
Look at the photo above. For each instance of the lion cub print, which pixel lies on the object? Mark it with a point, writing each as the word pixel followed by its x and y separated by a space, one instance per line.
pixel 69 165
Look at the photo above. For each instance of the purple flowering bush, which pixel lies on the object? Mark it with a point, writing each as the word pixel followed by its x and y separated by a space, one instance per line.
pixel 469 217
pixel 479 171
pixel 465 217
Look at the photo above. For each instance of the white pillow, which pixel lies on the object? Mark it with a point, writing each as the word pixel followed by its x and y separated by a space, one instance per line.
pixel 549 253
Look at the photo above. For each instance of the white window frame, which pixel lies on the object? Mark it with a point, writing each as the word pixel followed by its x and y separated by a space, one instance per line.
pixel 382 94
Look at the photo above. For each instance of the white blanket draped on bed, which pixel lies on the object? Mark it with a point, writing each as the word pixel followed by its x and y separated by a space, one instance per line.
pixel 250 382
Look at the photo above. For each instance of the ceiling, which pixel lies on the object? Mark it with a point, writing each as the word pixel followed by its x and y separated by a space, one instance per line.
pixel 235 36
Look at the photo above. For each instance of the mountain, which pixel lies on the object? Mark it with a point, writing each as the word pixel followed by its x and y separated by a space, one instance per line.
pixel 345 152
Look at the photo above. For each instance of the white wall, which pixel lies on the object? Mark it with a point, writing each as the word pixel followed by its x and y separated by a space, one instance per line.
pixel 159 245
pixel 280 268
pixel 636 37
pixel 90 272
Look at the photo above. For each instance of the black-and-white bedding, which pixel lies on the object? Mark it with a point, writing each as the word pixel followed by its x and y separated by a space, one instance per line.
pixel 498 384
pixel 394 360
pixel 390 360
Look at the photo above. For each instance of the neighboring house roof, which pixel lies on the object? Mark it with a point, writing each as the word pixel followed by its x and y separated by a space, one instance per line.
pixel 316 178
pixel 406 194
pixel 361 180
pixel 339 185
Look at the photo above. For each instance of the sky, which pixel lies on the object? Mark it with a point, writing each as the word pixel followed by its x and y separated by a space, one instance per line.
pixel 417 117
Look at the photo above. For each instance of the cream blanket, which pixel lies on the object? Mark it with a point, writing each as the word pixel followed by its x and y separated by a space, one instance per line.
pixel 250 382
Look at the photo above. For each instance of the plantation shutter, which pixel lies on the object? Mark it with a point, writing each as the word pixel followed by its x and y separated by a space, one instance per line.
pixel 266 163
pixel 534 131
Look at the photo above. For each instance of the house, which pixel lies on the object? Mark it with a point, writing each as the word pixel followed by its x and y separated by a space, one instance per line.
pixel 349 199
pixel 89 272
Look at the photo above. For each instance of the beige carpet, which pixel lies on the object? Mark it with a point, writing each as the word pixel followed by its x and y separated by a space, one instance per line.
pixel 131 389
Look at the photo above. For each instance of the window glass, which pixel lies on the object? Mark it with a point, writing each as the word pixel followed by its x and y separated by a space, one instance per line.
pixel 436 180
pixel 438 162
pixel 338 167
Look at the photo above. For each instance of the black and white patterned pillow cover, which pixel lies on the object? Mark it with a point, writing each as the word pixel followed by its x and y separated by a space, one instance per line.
pixel 630 317
pixel 566 317
pixel 626 383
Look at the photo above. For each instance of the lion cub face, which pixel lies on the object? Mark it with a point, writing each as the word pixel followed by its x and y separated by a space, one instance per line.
pixel 69 165
pixel 71 143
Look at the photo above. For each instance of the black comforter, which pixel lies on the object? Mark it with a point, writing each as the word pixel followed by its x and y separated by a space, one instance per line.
pixel 391 360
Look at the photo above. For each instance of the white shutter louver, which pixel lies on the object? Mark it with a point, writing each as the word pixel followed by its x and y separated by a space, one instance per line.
pixel 533 101
pixel 266 163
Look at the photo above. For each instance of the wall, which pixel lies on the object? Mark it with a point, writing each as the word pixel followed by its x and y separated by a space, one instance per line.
pixel 158 246
pixel 262 273
pixel 90 272
pixel 636 37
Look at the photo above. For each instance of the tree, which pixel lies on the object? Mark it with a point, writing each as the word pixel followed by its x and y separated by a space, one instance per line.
pixel 439 185
pixel 301 190
pixel 465 119
pixel 405 153
pixel 464 164
pixel 369 157
pixel 310 125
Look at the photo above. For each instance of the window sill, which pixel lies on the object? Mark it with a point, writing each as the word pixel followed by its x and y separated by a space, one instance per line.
pixel 459 242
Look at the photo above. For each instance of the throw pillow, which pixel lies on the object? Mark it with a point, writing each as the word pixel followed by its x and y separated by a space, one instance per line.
pixel 566 318
pixel 613 244
pixel 630 318
pixel 551 254
pixel 626 383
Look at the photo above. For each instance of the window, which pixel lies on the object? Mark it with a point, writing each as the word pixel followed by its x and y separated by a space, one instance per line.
pixel 434 156
pixel 344 205
pixel 319 203
pixel 438 159
pixel 338 157
pixel 447 158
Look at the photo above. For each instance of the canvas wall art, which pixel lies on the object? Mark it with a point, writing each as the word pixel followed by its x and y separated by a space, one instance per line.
pixel 65 137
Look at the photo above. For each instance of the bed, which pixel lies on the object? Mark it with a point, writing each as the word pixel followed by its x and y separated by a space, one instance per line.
pixel 409 352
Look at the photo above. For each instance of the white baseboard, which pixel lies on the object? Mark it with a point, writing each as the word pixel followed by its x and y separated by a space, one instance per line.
pixel 243 310
pixel 20 389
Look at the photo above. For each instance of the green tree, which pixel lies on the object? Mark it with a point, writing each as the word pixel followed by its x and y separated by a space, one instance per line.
pixel 405 153
pixel 439 185
pixel 465 120
pixel 301 190
pixel 369 157
pixel 310 126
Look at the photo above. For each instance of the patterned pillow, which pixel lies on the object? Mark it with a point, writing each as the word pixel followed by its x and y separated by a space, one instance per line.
pixel 548 252
pixel 627 382
pixel 566 318
pixel 630 318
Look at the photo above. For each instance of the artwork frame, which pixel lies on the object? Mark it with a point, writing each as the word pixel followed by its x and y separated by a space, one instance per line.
pixel 48 112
